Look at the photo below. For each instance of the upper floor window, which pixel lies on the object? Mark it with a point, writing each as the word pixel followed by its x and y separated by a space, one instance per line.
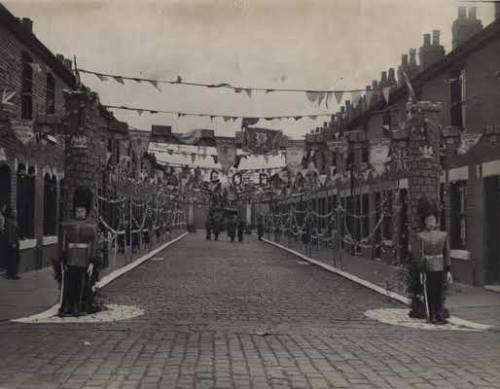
pixel 27 87
pixel 50 97
pixel 458 98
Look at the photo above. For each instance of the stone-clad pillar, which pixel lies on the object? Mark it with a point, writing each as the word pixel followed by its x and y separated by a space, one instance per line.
pixel 424 168
pixel 85 145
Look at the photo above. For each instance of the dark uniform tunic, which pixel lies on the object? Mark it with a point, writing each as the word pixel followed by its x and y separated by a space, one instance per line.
pixel 79 249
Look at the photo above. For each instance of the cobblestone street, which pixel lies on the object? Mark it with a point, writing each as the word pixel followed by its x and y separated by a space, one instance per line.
pixel 238 315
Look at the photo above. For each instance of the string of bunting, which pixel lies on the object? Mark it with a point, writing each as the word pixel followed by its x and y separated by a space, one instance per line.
pixel 212 116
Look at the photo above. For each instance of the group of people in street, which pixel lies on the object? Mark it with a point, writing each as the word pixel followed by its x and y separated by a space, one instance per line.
pixel 233 224
pixel 9 243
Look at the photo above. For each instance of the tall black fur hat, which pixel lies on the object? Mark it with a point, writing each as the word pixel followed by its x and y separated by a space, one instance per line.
pixel 83 198
pixel 427 207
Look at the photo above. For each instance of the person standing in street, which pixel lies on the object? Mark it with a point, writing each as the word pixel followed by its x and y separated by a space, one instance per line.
pixel 260 227
pixel 434 262
pixel 11 245
pixel 79 252
pixel 231 228
pixel 241 229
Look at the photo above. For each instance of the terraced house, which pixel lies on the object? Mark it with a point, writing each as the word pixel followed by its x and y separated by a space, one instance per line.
pixel 32 80
pixel 466 82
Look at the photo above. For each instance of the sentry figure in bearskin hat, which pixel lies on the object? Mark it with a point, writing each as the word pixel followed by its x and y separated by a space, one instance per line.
pixel 79 252
pixel 433 261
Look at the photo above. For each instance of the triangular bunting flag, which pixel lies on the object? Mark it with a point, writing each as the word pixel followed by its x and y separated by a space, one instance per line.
pixel 119 79
pixel 101 77
pixel 155 84
pixel 338 96
pixel 329 96
pixel 386 90
pixel 139 112
pixel 248 92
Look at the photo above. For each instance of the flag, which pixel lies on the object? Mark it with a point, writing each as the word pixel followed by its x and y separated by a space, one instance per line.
pixel 155 84
pixel 338 96
pixel 101 77
pixel 37 68
pixel 248 92
pixel 386 90
pixel 119 79
pixel 411 91
pixel 261 141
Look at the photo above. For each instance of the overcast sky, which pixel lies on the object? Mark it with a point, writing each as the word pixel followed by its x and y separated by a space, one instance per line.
pixel 323 44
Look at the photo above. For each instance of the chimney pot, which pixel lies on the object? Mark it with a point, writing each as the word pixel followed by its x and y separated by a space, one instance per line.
pixel 60 58
pixel 462 12
pixel 404 60
pixel 374 84
pixel 497 10
pixel 427 39
pixel 473 13
pixel 27 24
pixel 413 56
pixel 435 37
pixel 391 77
pixel 347 103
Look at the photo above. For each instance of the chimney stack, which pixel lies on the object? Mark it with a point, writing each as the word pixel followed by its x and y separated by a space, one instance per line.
pixel 27 24
pixel 428 54
pixel 68 64
pixel 375 84
pixel 465 28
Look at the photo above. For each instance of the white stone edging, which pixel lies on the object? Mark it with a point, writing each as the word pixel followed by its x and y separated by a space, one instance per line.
pixel 374 287
pixel 103 282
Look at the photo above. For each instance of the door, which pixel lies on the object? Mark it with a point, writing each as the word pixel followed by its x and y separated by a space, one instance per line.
pixel 492 220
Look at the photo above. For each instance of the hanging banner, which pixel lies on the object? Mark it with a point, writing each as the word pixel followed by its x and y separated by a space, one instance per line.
pixel 261 141
pixel 226 155
pixel 294 156
pixel 379 154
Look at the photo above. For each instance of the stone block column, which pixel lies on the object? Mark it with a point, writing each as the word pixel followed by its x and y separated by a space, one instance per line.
pixel 85 145
pixel 424 168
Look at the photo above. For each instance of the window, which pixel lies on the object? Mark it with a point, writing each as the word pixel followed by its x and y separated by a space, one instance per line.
pixel 49 206
pixel 4 185
pixel 50 96
pixel 457 99
pixel 26 201
pixel 458 216
pixel 27 87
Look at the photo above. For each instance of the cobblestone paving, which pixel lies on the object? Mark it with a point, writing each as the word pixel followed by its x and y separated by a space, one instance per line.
pixel 230 315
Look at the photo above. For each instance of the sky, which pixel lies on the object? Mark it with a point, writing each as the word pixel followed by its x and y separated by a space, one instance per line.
pixel 304 44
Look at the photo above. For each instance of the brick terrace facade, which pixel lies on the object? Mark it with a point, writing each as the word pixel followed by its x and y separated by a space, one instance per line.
pixel 466 83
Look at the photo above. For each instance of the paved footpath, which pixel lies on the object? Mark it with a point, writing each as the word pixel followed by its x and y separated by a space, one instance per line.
pixel 231 315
